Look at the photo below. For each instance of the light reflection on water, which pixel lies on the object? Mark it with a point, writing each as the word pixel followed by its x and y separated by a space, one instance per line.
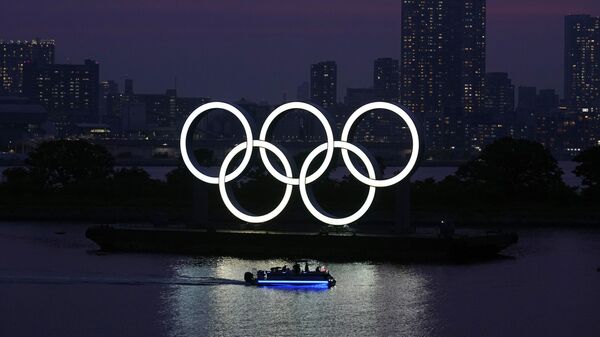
pixel 368 300
pixel 550 288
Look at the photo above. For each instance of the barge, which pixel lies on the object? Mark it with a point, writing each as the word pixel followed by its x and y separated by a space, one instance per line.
pixel 419 246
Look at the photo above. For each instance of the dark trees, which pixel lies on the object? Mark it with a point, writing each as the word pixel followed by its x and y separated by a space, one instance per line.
pixel 514 168
pixel 589 171
pixel 59 163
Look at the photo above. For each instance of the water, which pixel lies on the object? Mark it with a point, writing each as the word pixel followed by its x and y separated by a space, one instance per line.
pixel 55 284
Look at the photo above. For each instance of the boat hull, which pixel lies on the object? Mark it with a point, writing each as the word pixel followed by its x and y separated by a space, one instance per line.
pixel 257 244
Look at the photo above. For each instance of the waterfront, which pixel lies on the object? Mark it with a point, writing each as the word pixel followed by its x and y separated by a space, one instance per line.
pixel 60 285
pixel 421 173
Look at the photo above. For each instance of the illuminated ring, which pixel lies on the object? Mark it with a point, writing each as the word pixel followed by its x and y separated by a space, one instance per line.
pixel 235 208
pixel 328 132
pixel 319 214
pixel 309 201
pixel 415 144
pixel 192 164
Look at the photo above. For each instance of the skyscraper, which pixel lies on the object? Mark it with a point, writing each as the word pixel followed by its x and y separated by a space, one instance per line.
pixel 303 92
pixel 128 87
pixel 20 121
pixel 499 97
pixel 70 92
pixel 443 63
pixel 14 55
pixel 161 109
pixel 386 79
pixel 108 90
pixel 546 101
pixel 526 102
pixel 582 59
pixel 356 97
pixel 323 83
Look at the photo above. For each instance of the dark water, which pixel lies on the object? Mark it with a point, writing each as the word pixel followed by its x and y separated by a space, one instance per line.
pixel 58 285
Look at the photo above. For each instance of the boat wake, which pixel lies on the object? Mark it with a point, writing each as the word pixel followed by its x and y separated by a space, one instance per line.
pixel 72 280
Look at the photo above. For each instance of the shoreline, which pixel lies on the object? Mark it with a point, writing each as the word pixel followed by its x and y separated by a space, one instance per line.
pixel 177 219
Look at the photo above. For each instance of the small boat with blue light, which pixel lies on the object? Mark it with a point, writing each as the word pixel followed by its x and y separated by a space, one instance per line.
pixel 283 276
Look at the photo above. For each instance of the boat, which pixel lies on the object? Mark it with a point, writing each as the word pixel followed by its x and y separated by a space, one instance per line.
pixel 297 277
pixel 424 245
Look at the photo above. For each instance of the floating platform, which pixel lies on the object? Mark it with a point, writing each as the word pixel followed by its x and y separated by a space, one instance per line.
pixel 419 246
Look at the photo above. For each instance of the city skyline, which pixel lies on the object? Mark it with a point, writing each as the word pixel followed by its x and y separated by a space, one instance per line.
pixel 313 168
pixel 439 76
pixel 315 32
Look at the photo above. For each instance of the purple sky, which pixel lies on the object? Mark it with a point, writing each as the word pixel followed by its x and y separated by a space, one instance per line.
pixel 260 49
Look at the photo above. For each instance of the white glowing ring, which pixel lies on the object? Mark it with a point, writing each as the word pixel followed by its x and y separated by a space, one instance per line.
pixel 307 199
pixel 304 178
pixel 192 165
pixel 415 144
pixel 328 133
pixel 235 209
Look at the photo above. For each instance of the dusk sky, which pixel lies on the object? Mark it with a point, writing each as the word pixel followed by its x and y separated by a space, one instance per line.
pixel 261 49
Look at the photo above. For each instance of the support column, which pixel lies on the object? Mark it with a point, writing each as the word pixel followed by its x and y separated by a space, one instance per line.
pixel 199 205
pixel 402 223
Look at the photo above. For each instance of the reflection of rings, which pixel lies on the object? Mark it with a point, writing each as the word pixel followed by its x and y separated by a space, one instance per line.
pixel 304 178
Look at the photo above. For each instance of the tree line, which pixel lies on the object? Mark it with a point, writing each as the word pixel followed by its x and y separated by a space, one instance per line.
pixel 509 175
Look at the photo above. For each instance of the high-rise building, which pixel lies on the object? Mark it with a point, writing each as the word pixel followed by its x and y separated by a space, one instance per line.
pixel 323 83
pixel 303 92
pixel 109 87
pixel 108 90
pixel 135 112
pixel 161 109
pixel 186 105
pixel 499 97
pixel 546 101
pixel 443 65
pixel 356 97
pixel 386 79
pixel 13 57
pixel 582 60
pixel 526 102
pixel 527 97
pixel 69 92
pixel 128 87
pixel 20 121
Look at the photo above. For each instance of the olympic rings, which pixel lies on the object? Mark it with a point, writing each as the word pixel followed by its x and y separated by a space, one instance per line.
pixel 328 133
pixel 192 164
pixel 412 161
pixel 319 213
pixel 234 208
pixel 304 178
